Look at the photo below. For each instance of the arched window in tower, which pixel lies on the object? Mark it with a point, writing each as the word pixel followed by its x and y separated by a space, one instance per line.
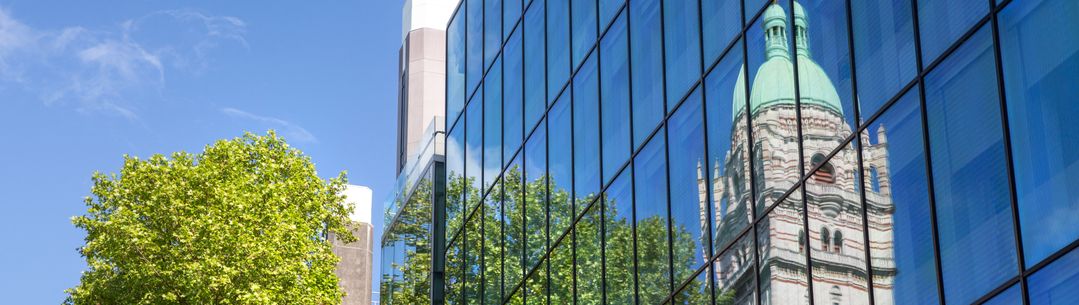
pixel 837 242
pixel 836 294
pixel 825 239
pixel 801 241
pixel 874 179
pixel 826 173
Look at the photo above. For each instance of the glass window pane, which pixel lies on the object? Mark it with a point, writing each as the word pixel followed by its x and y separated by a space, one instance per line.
pixel 535 63
pixel 455 179
pixel 1057 283
pixel 562 272
pixel 1040 54
pixel 1012 296
pixel 835 238
pixel 474 41
pixel 589 257
pixel 513 95
pixel 720 23
pixel 782 267
pixel 824 81
pixel 607 11
pixel 560 167
pixel 884 50
pixel 734 275
pixel 473 280
pixel 558 57
pixel 772 107
pixel 647 67
pixel 618 239
pixel 473 153
pixel 897 195
pixel 454 275
pixel 455 66
pixel 492 125
pixel 727 165
pixel 492 30
pixel 689 200
pixel 941 23
pixel 584 28
pixel 513 210
pixel 492 246
pixel 537 286
pixel 536 194
pixel 614 82
pixel 586 133
pixel 683 48
pixel 511 12
pixel 650 176
pixel 970 181
pixel 695 292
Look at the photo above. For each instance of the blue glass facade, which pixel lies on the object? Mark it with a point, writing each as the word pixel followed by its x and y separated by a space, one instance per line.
pixel 762 152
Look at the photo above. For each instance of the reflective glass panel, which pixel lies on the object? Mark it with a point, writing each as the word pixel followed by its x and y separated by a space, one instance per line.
pixel 883 50
pixel 513 95
pixel 560 166
pixel 474 44
pixel 536 293
pixel 455 66
pixel 586 133
pixel 614 89
pixel 558 57
pixel 727 163
pixel 647 67
pixel 1012 296
pixel 836 238
pixel 492 246
pixel 455 179
pixel 696 291
pixel 734 274
pixel 473 152
pixel 607 11
pixel 454 274
pixel 584 28
pixel 562 272
pixel 536 194
pixel 720 23
pixel 782 269
pixel 689 189
pixel 589 256
pixel 969 177
pixel 513 210
pixel 492 30
pixel 941 23
pixel 534 66
pixel 1040 54
pixel 650 177
pixel 824 82
pixel 1057 283
pixel 511 12
pixel 618 239
pixel 473 279
pixel 682 45
pixel 492 125
pixel 897 198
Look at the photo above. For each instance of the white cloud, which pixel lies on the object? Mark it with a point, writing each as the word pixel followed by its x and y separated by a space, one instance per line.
pixel 112 70
pixel 289 130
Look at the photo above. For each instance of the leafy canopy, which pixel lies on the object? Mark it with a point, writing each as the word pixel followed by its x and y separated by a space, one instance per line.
pixel 243 222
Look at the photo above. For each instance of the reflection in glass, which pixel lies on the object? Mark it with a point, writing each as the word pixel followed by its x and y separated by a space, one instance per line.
pixel 586 133
pixel 589 259
pixel 1040 55
pixel 618 239
pixel 1057 283
pixel 1012 296
pixel 560 167
pixel 614 90
pixel 535 65
pixel 689 201
pixel 727 166
pixel 492 30
pixel 653 267
pixel 977 245
pixel 512 96
pixel 941 23
pixel 720 22
pixel 536 287
pixel 884 51
pixel 901 245
pixel 646 62
pixel 836 238
pixel 406 251
pixel 824 83
pixel 454 275
pixel 455 68
pixel 782 270
pixel 474 44
pixel 682 45
pixel 473 146
pixel 562 272
pixel 536 195
pixel 455 179
pixel 607 11
pixel 584 28
pixel 473 278
pixel 492 244
pixel 696 291
pixel 558 57
pixel 492 125
pixel 511 11
pixel 513 210
pixel 734 275
pixel 772 106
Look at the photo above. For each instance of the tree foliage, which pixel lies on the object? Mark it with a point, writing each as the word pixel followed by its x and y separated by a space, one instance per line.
pixel 243 222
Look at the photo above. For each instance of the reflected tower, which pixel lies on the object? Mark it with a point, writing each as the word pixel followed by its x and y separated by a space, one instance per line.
pixel 835 235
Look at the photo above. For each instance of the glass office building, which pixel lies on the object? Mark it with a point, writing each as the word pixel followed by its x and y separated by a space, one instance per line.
pixel 760 152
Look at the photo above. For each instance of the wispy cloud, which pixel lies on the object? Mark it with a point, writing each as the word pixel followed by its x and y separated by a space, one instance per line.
pixel 288 129
pixel 112 70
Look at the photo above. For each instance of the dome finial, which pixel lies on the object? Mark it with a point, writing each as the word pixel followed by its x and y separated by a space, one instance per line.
pixel 775 31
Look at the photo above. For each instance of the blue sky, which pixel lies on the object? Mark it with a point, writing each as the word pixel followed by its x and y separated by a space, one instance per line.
pixel 83 83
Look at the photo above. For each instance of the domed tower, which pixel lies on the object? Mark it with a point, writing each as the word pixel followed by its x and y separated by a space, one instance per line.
pixel 836 230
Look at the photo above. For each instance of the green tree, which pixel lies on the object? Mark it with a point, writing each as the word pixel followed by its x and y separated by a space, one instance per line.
pixel 243 222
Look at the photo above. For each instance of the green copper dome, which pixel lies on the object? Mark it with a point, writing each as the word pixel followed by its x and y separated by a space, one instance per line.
pixel 774 81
